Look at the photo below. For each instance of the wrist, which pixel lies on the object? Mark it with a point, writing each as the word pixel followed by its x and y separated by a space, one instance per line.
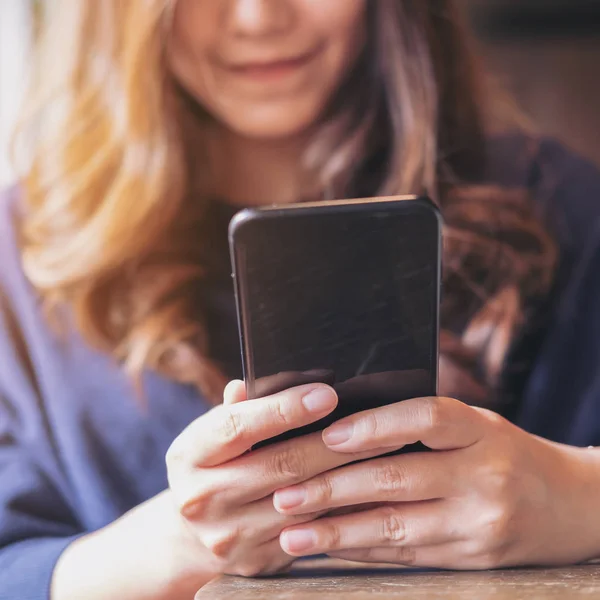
pixel 578 485
pixel 588 477
pixel 176 557
pixel 145 554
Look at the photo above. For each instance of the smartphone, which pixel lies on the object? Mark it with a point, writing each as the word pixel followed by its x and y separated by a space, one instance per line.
pixel 345 293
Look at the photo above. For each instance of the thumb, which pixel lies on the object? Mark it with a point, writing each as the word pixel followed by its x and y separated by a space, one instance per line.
pixel 235 392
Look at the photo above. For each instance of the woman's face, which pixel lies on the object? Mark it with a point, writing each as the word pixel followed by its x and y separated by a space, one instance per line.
pixel 265 68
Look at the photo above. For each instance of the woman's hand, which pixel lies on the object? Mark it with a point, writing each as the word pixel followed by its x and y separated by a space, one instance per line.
pixel 218 515
pixel 489 495
pixel 224 494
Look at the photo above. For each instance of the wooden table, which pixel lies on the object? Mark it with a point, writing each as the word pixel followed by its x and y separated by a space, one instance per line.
pixel 329 580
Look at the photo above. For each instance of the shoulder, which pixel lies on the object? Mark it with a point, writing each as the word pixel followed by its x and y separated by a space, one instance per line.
pixel 25 331
pixel 564 185
pixel 565 190
pixel 19 307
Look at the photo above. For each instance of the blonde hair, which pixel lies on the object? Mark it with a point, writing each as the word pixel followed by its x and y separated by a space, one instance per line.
pixel 109 227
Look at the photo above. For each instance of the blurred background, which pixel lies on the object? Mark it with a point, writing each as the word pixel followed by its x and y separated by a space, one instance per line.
pixel 546 52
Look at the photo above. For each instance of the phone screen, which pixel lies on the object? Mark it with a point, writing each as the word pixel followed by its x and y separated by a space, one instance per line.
pixel 346 294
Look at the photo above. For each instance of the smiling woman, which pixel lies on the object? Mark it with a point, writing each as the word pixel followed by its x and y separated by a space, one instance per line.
pixel 152 122
pixel 168 119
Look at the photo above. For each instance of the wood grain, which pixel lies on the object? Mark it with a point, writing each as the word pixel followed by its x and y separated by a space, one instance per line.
pixel 329 580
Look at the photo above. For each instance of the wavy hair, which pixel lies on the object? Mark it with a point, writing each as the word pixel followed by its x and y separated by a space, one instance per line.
pixel 110 228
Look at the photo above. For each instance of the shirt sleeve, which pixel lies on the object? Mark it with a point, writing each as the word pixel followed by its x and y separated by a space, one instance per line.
pixel 37 521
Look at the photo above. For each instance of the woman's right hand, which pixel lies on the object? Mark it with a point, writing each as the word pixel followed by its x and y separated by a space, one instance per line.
pixel 224 494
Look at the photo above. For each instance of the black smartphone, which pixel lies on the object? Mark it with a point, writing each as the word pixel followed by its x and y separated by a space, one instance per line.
pixel 343 292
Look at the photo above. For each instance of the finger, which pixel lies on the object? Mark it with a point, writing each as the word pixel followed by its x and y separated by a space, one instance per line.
pixel 349 510
pixel 267 559
pixel 406 556
pixel 235 391
pixel 405 478
pixel 439 423
pixel 226 432
pixel 401 524
pixel 259 473
pixel 458 556
pixel 225 532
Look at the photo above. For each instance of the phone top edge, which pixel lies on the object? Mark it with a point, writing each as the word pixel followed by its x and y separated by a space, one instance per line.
pixel 248 214
pixel 334 203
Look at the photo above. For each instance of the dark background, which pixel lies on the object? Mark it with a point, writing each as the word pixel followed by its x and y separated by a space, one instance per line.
pixel 547 52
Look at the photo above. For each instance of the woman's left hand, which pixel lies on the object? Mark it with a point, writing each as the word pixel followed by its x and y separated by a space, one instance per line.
pixel 489 495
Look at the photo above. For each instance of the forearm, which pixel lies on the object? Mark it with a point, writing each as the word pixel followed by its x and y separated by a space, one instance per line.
pixel 137 557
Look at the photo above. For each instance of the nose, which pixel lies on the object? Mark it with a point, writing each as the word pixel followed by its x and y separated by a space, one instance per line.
pixel 259 17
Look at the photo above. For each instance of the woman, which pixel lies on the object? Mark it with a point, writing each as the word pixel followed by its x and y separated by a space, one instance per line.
pixel 155 121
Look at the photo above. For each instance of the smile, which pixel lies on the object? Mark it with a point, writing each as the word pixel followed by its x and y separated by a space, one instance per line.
pixel 271 70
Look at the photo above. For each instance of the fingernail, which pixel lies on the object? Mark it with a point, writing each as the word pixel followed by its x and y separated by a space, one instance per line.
pixel 299 540
pixel 337 434
pixel 321 400
pixel 290 498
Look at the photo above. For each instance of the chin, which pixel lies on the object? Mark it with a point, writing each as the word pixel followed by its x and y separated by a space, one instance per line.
pixel 272 124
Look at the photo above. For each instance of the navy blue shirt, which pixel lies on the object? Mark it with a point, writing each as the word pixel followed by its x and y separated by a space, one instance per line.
pixel 77 449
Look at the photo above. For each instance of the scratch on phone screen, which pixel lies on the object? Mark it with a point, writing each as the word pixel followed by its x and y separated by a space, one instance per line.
pixel 365 363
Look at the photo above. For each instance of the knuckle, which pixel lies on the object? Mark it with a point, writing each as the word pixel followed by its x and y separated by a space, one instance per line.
pixel 287 463
pixel 249 570
pixel 500 478
pixel 487 561
pixel 493 418
pixel 491 539
pixel 222 544
pixel 281 413
pixel 434 412
pixel 194 506
pixel 370 425
pixel 389 478
pixel 393 529
pixel 175 455
pixel 476 550
pixel 495 525
pixel 230 429
pixel 323 491
pixel 330 537
pixel 197 501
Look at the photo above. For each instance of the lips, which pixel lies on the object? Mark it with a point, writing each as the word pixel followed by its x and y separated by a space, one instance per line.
pixel 271 64
pixel 270 68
